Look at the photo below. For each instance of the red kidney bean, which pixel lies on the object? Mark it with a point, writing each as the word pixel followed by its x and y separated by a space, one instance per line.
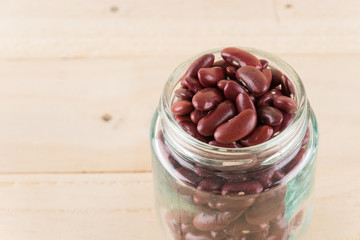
pixel 230 72
pixel 287 87
pixel 207 98
pixel 189 176
pixel 241 226
pixel 223 112
pixel 221 63
pixel 187 227
pixel 184 94
pixel 278 175
pixel 285 104
pixel 266 179
pixel 267 74
pixel 277 77
pixel 260 134
pixel 264 63
pixel 196 115
pixel 254 79
pixel 198 236
pixel 240 58
pixel 268 98
pixel 270 116
pixel 242 188
pixel 204 61
pixel 217 234
pixel 237 128
pixel 268 200
pixel 189 127
pixel 295 161
pixel 243 102
pixel 209 77
pixel 287 119
pixel 182 107
pixel 231 89
pixel 193 84
pixel 255 216
pixel 278 228
pixel 182 118
pixel 225 145
pixel 203 190
pixel 230 204
pixel 215 220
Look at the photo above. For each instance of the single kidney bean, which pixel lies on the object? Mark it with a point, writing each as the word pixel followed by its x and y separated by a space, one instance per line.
pixel 287 87
pixel 211 221
pixel 204 189
pixel 207 98
pixel 278 228
pixel 182 118
pixel 243 102
pixel 269 199
pixel 254 79
pixel 189 176
pixel 285 104
pixel 260 134
pixel 255 216
pixel 217 234
pixel 230 72
pixel 237 128
pixel 187 227
pixel 295 161
pixel 241 226
pixel 193 84
pixel 270 115
pixel 268 98
pixel 223 112
pixel 221 63
pixel 225 145
pixel 208 77
pixel 196 115
pixel 234 203
pixel 240 58
pixel 266 179
pixel 242 188
pixel 189 127
pixel 232 90
pixel 182 107
pixel 184 94
pixel 264 63
pixel 198 236
pixel 287 119
pixel 278 175
pixel 277 77
pixel 267 74
pixel 204 61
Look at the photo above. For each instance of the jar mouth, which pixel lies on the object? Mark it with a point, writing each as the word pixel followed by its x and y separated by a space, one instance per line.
pixel 245 156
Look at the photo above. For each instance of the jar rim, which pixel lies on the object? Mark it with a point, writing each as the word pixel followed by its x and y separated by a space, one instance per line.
pixel 228 157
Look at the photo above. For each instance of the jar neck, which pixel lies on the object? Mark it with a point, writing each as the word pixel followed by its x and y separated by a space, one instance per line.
pixel 272 151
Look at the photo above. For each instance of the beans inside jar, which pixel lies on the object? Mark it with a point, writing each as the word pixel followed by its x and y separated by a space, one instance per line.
pixel 236 102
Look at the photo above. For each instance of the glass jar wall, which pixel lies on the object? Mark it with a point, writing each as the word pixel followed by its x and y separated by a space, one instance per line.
pixel 259 192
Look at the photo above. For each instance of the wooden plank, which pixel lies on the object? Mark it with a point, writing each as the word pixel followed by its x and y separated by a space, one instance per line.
pixel 118 28
pixel 120 206
pixel 52 111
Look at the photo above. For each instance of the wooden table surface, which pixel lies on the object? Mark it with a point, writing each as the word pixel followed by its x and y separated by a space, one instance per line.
pixel 66 173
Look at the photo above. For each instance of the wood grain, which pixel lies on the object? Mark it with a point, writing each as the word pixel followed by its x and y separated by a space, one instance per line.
pixel 119 28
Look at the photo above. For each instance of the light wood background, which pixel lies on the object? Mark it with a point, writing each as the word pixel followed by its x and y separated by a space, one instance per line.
pixel 66 173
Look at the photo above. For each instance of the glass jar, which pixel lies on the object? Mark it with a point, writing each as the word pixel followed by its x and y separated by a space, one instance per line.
pixel 193 179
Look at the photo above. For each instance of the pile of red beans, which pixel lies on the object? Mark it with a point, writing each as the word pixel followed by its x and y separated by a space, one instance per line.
pixel 235 102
